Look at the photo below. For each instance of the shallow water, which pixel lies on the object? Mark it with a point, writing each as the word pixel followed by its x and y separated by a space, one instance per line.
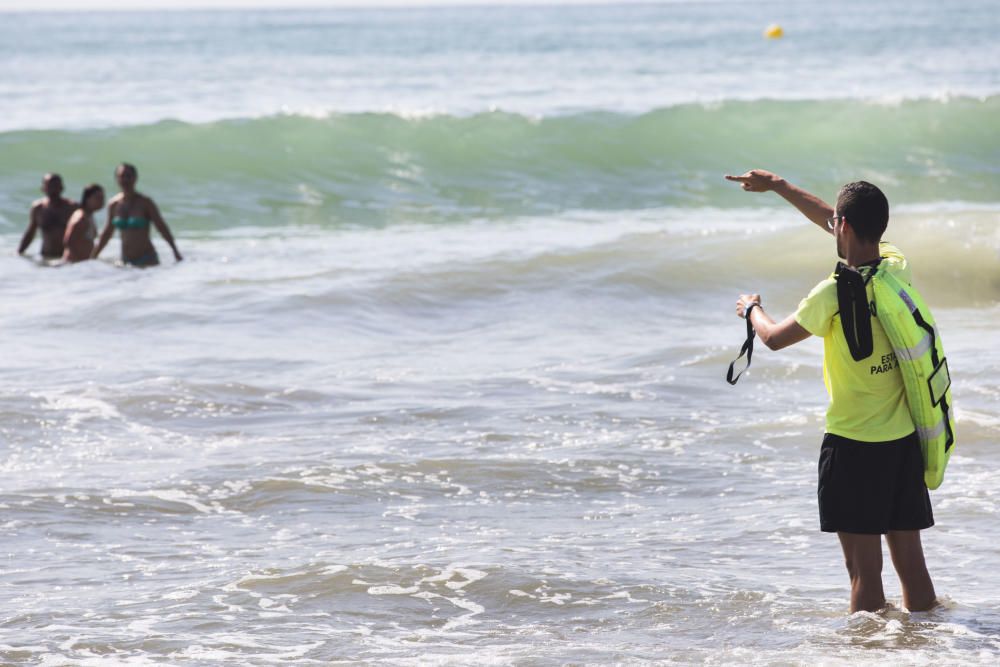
pixel 413 403
pixel 524 453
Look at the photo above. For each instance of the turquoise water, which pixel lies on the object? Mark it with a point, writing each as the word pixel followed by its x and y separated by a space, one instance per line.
pixel 380 168
pixel 441 378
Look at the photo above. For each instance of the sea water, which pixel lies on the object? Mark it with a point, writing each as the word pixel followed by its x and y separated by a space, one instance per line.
pixel 440 379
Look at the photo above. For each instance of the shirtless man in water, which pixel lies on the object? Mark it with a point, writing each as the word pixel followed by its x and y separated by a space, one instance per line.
pixel 50 215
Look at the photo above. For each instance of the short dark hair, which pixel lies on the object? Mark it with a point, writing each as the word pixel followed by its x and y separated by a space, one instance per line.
pixel 866 210
pixel 89 190
pixel 125 166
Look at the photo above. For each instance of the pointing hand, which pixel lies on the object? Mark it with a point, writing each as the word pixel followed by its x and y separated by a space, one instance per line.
pixel 756 180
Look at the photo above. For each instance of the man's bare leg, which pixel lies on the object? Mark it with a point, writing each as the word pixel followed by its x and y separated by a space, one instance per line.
pixel 863 555
pixel 908 558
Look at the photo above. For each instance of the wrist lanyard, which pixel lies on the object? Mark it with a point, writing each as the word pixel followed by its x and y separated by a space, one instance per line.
pixel 747 349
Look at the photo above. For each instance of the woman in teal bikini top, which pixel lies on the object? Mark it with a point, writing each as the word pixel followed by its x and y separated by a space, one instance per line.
pixel 132 213
pixel 130 223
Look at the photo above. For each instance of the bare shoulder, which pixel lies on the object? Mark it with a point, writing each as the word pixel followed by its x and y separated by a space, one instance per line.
pixel 148 202
pixel 37 205
pixel 68 207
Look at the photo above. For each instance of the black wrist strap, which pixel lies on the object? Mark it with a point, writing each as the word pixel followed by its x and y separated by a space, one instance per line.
pixel 747 348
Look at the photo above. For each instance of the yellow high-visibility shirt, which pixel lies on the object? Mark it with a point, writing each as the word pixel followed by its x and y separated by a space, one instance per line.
pixel 867 398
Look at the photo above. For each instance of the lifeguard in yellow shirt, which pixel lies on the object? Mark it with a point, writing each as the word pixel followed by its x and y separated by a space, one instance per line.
pixel 871 471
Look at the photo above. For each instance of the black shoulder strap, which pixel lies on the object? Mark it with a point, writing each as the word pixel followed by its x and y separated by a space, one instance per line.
pixel 855 314
pixel 747 349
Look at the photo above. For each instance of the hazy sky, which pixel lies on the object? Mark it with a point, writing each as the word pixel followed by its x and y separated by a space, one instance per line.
pixel 213 4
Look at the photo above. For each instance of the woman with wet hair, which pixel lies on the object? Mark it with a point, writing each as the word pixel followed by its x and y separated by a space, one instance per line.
pixel 132 213
pixel 81 230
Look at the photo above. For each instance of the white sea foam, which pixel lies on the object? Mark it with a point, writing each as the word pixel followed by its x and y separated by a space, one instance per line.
pixel 446 387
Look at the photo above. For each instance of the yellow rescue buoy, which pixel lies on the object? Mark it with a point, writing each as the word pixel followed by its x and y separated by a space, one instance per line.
pixel 774 31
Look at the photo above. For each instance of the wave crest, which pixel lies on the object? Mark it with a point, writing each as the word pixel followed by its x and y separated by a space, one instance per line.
pixel 380 168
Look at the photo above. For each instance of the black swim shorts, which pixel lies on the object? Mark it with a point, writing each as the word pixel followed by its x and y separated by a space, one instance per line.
pixel 872 487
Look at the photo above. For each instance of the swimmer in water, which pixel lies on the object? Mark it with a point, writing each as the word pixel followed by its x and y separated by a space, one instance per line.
pixel 81 231
pixel 133 212
pixel 49 215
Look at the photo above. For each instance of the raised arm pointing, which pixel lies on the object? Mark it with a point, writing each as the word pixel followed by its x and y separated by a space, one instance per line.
pixel 811 206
